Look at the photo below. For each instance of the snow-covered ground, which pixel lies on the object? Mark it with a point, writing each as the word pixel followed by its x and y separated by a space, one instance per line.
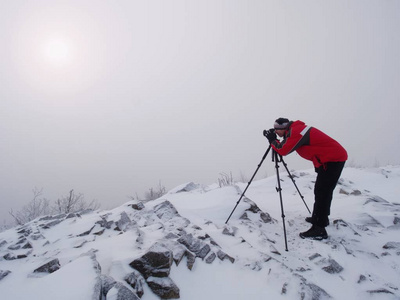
pixel 244 259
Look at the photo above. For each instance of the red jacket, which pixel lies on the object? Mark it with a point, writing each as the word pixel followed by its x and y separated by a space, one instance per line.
pixel 311 144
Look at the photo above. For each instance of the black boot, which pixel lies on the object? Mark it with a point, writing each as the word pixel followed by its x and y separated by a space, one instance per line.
pixel 312 220
pixel 309 220
pixel 315 233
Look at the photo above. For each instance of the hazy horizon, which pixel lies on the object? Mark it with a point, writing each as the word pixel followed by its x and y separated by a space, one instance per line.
pixel 109 99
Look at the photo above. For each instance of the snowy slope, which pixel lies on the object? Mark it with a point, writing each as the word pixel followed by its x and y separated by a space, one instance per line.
pixel 245 259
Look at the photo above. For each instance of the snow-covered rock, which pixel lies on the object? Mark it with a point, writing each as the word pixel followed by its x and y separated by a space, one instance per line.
pixel 179 246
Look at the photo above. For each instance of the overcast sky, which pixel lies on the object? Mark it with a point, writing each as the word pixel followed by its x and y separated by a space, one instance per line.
pixel 111 97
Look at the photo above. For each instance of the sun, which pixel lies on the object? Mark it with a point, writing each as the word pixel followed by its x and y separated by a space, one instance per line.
pixel 57 52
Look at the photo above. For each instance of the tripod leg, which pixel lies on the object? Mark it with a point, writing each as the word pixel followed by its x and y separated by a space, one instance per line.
pixel 279 189
pixel 258 167
pixel 294 182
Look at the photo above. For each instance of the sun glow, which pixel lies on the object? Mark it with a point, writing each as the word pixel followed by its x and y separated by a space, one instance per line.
pixel 58 52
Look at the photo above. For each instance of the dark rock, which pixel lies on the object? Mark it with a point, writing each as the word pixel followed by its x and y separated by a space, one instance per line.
pixel 379 291
pixel 391 245
pixel 100 232
pixel 222 255
pixel 376 199
pixel 87 232
pixel 165 288
pixel 51 224
pixel 136 281
pixel 311 291
pixel 166 211
pixel 27 246
pixel 195 245
pixel 4 273
pixel 210 258
pixel 396 220
pixel 123 293
pixel 104 223
pixel 244 217
pixel 361 279
pixel 9 256
pixel 191 258
pixel 107 283
pixel 266 218
pixel 49 267
pixel 14 247
pixel 315 292
pixel 3 243
pixel 314 256
pixel 178 252
pixel 25 231
pixel 229 231
pixel 138 206
pixel 156 262
pixel 333 267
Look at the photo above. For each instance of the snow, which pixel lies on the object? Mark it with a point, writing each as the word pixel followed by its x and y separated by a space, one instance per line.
pixel 353 263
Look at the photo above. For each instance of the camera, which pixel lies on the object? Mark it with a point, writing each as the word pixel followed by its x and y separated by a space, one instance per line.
pixel 265 132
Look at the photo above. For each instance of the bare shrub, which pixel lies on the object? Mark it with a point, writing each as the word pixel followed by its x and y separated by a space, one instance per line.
pixel 225 179
pixel 40 206
pixel 155 193
pixel 37 207
pixel 74 203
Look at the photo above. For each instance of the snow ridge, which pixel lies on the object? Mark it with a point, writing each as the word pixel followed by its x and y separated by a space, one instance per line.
pixel 179 246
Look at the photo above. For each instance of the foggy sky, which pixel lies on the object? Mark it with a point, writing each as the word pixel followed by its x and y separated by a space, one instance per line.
pixel 179 91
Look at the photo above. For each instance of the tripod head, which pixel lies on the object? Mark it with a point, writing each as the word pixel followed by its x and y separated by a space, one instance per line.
pixel 270 134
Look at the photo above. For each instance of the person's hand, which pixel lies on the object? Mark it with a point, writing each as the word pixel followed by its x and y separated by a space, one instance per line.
pixel 270 135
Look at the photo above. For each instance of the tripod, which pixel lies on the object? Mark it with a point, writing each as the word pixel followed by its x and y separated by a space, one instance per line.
pixel 277 158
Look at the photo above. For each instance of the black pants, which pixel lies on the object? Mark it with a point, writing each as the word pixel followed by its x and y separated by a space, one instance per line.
pixel 327 178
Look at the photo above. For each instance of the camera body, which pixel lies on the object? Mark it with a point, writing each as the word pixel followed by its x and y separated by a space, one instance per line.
pixel 265 132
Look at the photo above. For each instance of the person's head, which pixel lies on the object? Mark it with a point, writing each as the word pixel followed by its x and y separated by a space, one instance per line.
pixel 280 126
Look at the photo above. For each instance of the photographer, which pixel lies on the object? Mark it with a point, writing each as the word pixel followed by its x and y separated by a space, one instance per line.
pixel 328 157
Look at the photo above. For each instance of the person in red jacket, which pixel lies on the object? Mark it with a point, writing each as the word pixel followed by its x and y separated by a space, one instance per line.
pixel 328 157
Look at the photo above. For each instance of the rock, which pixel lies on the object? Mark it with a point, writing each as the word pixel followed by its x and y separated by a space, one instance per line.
pixel 165 288
pixel 156 262
pixel 3 243
pixel 230 230
pixel 191 186
pixel 121 292
pixel 379 291
pixel 87 232
pixel 166 211
pixel 107 283
pixel 210 258
pixel 124 222
pixel 191 258
pixel 362 278
pixel 49 267
pixel 104 223
pixel 391 245
pixel 195 245
pixel 136 281
pixel 9 256
pixel 333 267
pixel 222 255
pixel 4 273
pixel 138 206
pixel 27 246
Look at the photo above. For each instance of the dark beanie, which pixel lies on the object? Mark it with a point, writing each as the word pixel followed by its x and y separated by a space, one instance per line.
pixel 281 123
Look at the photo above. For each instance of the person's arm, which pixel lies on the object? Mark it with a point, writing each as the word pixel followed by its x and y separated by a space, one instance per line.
pixel 292 141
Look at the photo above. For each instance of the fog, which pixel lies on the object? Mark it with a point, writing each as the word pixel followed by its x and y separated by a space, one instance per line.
pixel 113 98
